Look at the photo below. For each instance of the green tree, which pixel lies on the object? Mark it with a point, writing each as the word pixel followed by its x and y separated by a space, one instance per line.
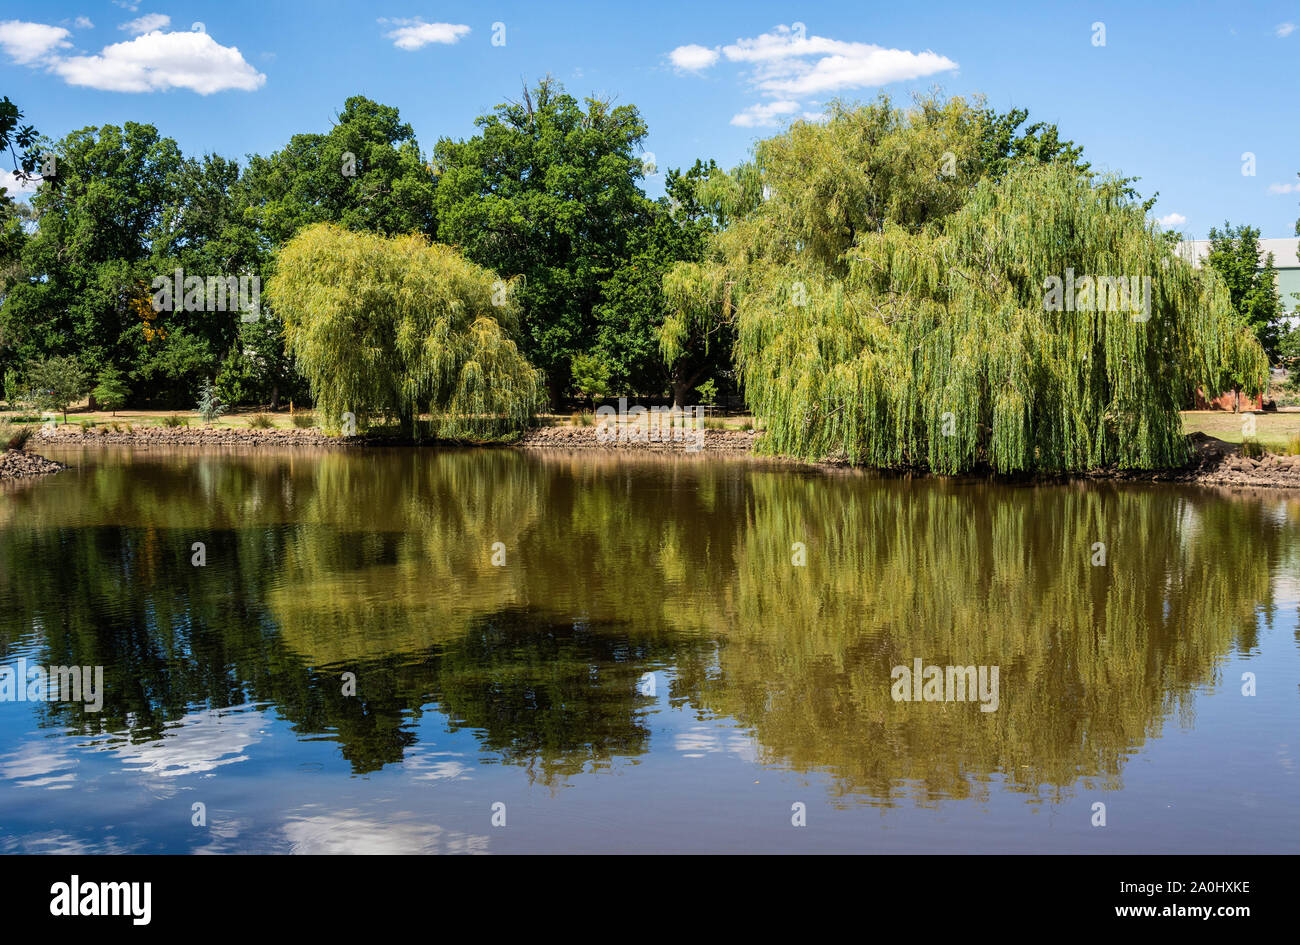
pixel 1251 279
pixel 111 391
pixel 633 307
pixel 591 375
pixel 86 270
pixel 57 382
pixel 889 302
pixel 210 404
pixel 428 332
pixel 547 190
pixel 366 173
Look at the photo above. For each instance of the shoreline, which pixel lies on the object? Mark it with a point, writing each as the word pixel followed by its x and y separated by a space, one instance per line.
pixel 1214 463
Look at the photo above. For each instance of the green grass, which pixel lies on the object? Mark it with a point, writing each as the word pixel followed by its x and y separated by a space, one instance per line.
pixel 1273 431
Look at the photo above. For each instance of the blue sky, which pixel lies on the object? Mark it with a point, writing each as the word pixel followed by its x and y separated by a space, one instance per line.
pixel 1177 94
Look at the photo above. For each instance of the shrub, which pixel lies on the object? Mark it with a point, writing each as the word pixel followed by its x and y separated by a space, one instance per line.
pixel 304 420
pixel 1293 445
pixel 175 421
pixel 260 421
pixel 1252 448
pixel 584 418
pixel 13 436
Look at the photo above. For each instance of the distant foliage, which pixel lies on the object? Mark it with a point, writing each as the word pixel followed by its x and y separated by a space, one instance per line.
pixel 393 328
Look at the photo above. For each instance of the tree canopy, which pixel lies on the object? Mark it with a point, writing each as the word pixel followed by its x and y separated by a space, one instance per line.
pixel 396 326
pixel 890 302
pixel 547 190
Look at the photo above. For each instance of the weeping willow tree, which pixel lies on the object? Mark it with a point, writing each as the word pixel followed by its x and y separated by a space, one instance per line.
pixel 901 299
pixel 397 327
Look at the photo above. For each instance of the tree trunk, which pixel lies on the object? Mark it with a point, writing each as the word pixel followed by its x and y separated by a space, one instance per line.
pixel 275 396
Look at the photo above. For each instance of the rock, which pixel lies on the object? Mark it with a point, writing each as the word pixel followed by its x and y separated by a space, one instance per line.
pixel 19 464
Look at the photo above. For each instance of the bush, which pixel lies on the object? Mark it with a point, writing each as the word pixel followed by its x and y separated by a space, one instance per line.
pixel 1252 448
pixel 13 436
pixel 260 421
pixel 175 421
pixel 584 419
pixel 304 420
pixel 1293 445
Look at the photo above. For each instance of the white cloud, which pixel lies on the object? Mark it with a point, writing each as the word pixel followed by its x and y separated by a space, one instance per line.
pixel 1173 219
pixel 147 23
pixel 29 43
pixel 1284 188
pixel 160 61
pixel 352 832
pixel 200 742
pixel 764 114
pixel 1284 30
pixel 786 65
pixel 83 23
pixel 693 58
pixel 16 187
pixel 783 67
pixel 415 34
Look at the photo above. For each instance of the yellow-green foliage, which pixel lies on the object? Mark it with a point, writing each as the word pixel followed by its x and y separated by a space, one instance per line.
pixel 887 298
pixel 395 327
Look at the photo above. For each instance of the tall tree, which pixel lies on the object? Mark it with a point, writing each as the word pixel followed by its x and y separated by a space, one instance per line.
pixel 633 305
pixel 547 190
pixel 87 267
pixel 366 173
pixel 395 327
pixel 1251 279
pixel 890 303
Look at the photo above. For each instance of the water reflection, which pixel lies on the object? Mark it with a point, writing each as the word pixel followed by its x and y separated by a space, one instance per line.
pixel 379 564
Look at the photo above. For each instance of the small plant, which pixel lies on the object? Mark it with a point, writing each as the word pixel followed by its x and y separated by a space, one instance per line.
pixel 304 420
pixel 260 421
pixel 583 418
pixel 1252 448
pixel 1293 444
pixel 175 421
pixel 111 391
pixel 86 425
pixel 715 425
pixel 708 391
pixel 210 406
pixel 13 436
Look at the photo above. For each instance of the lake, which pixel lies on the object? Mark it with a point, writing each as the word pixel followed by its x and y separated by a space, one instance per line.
pixel 414 650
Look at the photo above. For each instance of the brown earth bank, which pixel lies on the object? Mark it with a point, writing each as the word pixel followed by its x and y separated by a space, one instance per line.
pixel 19 464
pixel 1214 462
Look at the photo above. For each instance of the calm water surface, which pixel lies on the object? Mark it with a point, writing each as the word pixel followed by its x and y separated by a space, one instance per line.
pixel 647 669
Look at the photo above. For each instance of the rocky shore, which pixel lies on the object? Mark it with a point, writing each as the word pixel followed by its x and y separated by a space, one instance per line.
pixel 19 464
pixel 578 438
pixel 1214 463
pixel 69 435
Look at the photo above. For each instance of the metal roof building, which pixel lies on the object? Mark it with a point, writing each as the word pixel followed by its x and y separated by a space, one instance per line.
pixel 1284 258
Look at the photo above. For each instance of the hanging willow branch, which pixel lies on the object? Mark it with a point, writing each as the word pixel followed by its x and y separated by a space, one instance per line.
pixel 974 368
pixel 889 299
pixel 398 327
